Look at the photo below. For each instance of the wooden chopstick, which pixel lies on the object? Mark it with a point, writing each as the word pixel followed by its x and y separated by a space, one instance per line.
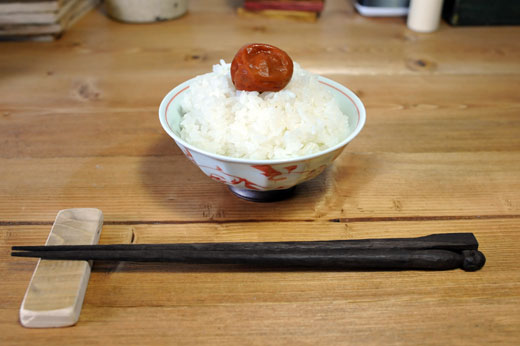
pixel 446 241
pixel 351 259
pixel 434 252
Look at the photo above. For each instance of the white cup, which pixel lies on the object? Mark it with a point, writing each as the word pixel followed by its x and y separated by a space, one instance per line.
pixel 424 15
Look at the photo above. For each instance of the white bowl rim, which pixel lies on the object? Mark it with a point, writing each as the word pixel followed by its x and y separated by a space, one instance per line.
pixel 329 82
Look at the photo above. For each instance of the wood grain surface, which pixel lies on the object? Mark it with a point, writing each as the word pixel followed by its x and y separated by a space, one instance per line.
pixel 440 153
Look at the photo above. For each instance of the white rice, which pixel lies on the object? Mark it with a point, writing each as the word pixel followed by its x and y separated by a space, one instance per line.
pixel 301 119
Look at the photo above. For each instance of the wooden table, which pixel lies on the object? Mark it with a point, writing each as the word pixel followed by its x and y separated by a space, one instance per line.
pixel 440 153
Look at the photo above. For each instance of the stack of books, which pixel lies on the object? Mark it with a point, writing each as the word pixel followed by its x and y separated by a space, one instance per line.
pixel 307 10
pixel 40 19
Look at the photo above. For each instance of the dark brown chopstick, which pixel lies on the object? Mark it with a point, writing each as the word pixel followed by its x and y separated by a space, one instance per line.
pixel 468 260
pixel 447 241
pixel 434 252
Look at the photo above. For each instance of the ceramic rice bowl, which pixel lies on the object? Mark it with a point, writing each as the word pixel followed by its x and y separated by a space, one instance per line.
pixel 262 180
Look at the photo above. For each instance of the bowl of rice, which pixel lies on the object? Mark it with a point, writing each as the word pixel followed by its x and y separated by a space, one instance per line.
pixel 261 144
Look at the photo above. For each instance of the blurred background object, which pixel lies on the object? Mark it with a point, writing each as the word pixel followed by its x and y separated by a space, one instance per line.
pixel 145 11
pixel 424 15
pixel 42 20
pixel 382 8
pixel 482 12
pixel 306 10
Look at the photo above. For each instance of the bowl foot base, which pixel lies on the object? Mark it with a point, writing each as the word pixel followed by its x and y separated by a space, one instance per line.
pixel 262 196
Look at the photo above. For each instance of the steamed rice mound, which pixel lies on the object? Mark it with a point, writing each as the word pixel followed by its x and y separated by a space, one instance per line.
pixel 299 120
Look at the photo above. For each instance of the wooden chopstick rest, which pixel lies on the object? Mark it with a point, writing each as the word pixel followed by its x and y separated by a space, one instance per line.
pixel 55 294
